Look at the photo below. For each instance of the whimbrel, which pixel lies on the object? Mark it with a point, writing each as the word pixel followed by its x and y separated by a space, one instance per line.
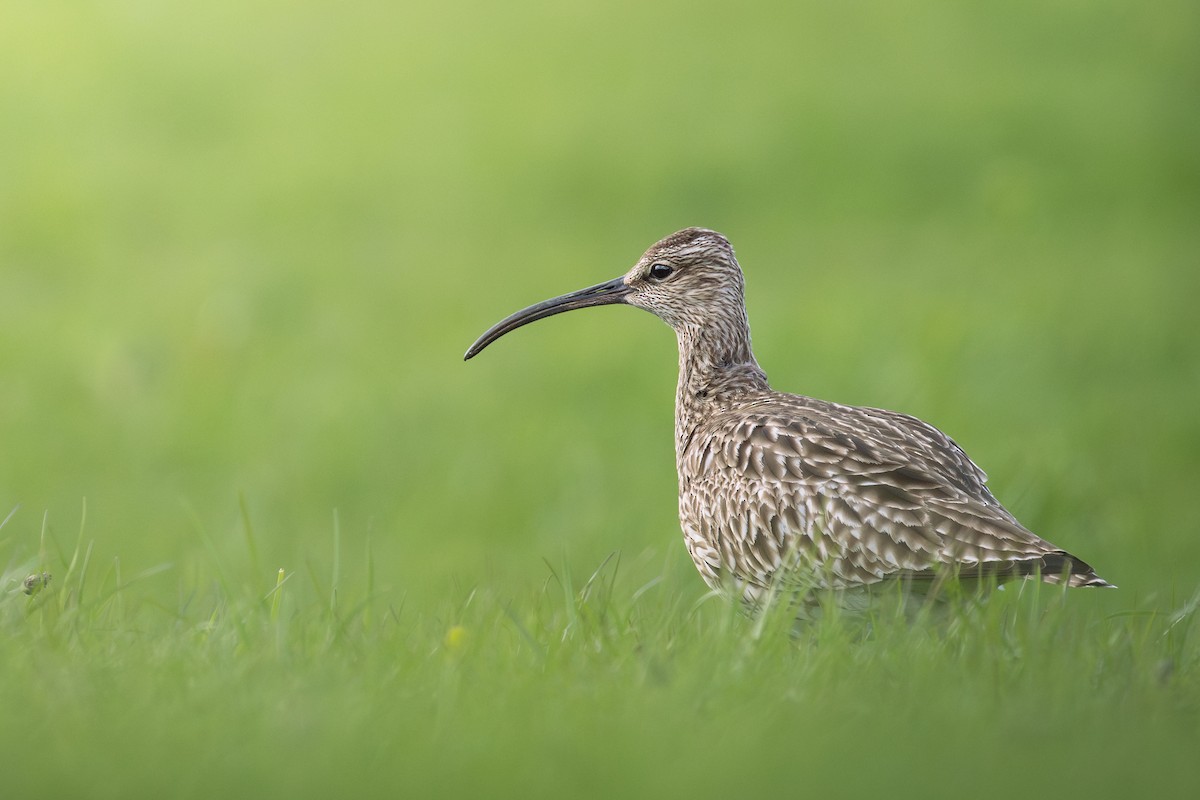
pixel 781 490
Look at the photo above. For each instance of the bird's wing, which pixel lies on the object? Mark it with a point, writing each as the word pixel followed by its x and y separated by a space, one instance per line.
pixel 866 495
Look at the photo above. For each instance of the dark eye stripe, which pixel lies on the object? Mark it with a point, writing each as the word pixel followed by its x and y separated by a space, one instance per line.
pixel 660 271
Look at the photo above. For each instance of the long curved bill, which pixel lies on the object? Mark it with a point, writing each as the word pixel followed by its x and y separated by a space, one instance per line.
pixel 602 294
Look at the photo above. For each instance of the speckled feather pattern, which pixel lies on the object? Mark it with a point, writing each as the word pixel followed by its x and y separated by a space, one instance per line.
pixel 781 490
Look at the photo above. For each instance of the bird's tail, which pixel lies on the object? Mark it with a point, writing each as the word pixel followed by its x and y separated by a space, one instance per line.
pixel 1063 567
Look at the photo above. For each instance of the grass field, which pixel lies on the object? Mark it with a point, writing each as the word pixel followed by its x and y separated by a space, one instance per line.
pixel 297 548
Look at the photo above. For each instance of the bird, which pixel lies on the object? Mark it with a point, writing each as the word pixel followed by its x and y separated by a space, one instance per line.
pixel 785 492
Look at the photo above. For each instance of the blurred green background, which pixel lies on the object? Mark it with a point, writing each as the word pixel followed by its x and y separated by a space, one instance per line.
pixel 244 245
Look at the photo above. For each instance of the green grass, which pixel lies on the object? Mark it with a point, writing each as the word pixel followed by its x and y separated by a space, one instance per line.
pixel 583 684
pixel 243 247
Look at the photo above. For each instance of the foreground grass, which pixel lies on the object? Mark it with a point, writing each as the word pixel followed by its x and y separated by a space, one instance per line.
pixel 587 684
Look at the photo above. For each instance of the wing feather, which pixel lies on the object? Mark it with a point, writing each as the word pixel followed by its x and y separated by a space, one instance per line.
pixel 860 495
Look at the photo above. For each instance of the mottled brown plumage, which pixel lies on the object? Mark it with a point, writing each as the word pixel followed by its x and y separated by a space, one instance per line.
pixel 781 490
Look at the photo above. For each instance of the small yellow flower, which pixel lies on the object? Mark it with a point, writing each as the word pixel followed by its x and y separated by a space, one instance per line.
pixel 456 639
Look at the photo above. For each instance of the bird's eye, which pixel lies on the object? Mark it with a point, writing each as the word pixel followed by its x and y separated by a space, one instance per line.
pixel 660 271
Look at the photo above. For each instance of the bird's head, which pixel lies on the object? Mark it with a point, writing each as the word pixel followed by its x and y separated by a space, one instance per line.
pixel 690 279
